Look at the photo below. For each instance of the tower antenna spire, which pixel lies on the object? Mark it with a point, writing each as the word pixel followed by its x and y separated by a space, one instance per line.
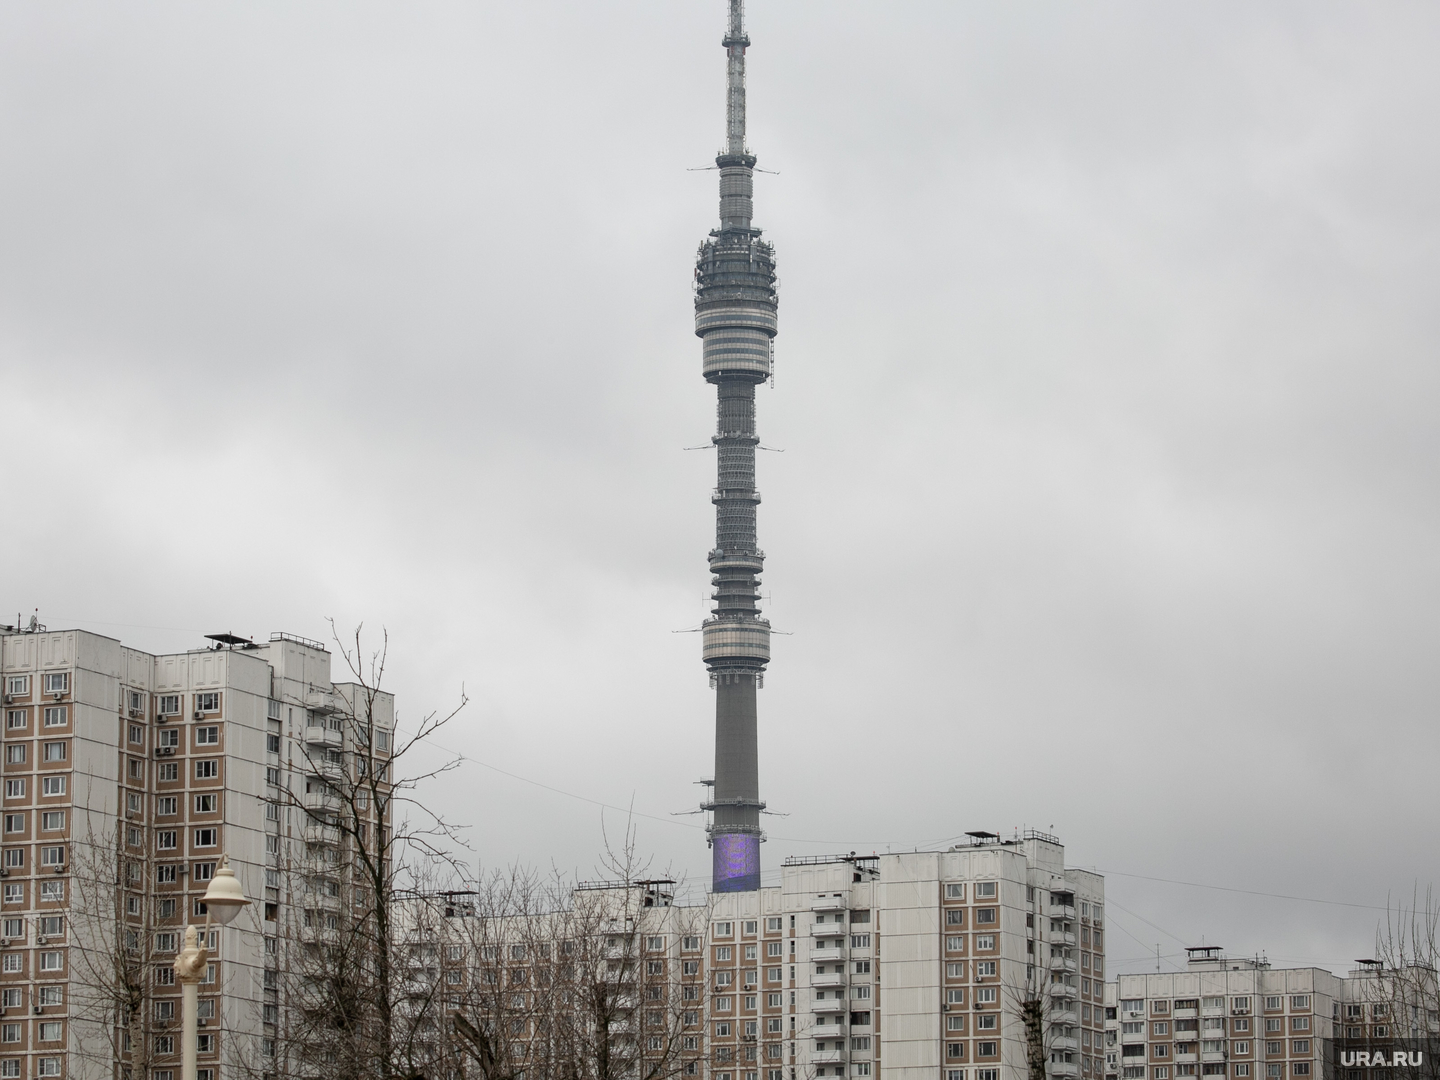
pixel 736 41
pixel 735 305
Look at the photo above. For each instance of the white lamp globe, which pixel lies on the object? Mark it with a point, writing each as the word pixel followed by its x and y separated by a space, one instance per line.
pixel 224 898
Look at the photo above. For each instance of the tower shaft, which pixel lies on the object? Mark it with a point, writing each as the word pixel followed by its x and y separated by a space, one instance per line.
pixel 735 318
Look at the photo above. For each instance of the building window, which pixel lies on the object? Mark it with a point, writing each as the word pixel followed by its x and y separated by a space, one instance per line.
pixel 52 785
pixel 955 996
pixel 168 770
pixel 55 717
pixel 984 890
pixel 17 718
pixel 167 840
pixel 984 916
pixel 50 1030
pixel 52 856
pixel 205 804
pixel 51 961
pixel 859 941
pixel 57 682
pixel 986 1049
pixel 206 837
pixel 14 823
pixel 207 736
pixel 15 754
pixel 54 751
pixel 18 686
pixel 984 969
pixel 207 769
pixel 52 821
pixel 14 894
pixel 47 1066
pixel 206 703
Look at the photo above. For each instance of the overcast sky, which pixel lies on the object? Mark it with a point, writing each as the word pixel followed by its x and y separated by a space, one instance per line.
pixel 1106 385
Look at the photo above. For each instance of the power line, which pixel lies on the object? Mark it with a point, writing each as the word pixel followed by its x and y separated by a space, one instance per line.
pixel 1247 892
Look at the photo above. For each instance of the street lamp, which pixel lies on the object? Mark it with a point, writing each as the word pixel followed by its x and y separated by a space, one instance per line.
pixel 223 900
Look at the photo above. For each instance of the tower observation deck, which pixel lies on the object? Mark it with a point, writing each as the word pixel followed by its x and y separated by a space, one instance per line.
pixel 735 305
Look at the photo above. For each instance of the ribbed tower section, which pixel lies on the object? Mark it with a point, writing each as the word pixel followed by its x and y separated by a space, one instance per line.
pixel 735 304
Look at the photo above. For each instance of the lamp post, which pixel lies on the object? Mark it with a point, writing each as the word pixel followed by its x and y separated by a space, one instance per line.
pixel 223 899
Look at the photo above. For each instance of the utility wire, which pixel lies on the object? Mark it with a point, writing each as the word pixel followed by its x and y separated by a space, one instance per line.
pixel 1247 892
pixel 903 845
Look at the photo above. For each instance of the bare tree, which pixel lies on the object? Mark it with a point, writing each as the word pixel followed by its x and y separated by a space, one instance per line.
pixel 1403 972
pixel 602 980
pixel 121 995
pixel 369 845
pixel 1041 1028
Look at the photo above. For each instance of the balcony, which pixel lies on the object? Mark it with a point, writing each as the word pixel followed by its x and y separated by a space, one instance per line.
pixel 316 833
pixel 828 980
pixel 1061 990
pixel 1064 963
pixel 1062 911
pixel 1061 937
pixel 332 771
pixel 322 801
pixel 1062 1068
pixel 830 1005
pixel 828 1057
pixel 827 903
pixel 1061 1043
pixel 322 702
pixel 320 735
pixel 829 930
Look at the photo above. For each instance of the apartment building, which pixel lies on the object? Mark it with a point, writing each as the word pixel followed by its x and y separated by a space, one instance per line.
pixel 1381 1003
pixel 914 965
pixel 1223 1017
pixel 123 766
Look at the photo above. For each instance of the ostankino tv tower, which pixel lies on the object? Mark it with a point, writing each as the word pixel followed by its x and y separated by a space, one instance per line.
pixel 735 304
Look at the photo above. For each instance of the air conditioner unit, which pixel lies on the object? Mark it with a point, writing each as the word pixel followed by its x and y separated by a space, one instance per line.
pixel 9 700
pixel 59 694
pixel 4 942
pixel 38 1010
pixel 42 940
pixel 199 715
pixel 60 869
pixel 161 718
pixel 136 713
pixel 164 751
pixel 4 871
